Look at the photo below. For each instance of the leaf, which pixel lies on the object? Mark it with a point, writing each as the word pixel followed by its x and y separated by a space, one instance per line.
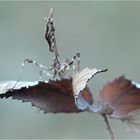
pixel 54 96
pixel 79 82
pixel 123 96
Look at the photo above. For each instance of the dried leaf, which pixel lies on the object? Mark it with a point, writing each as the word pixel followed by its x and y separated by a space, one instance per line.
pixel 124 97
pixel 54 96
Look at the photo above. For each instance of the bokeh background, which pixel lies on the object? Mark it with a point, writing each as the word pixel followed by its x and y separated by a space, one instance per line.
pixel 107 34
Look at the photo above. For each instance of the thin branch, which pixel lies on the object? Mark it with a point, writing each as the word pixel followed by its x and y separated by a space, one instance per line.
pixel 108 127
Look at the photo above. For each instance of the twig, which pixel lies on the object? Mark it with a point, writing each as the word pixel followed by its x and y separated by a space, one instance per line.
pixel 108 127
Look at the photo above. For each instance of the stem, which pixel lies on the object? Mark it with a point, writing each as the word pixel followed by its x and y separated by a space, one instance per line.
pixel 108 127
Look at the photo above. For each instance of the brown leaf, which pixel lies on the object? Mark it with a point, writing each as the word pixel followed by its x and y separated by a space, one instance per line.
pixel 121 95
pixel 54 96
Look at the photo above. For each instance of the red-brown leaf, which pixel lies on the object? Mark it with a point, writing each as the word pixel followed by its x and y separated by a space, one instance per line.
pixel 121 95
pixel 54 96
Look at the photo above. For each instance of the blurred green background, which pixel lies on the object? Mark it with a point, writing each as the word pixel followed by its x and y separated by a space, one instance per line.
pixel 107 34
